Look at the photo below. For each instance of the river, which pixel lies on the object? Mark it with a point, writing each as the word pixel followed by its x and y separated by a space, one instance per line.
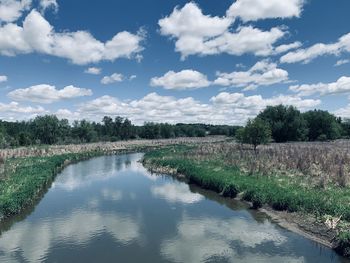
pixel 111 209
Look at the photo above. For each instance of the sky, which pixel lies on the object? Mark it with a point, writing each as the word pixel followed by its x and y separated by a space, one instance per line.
pixel 218 62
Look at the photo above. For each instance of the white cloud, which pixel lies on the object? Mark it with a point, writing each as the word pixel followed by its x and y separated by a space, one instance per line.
pixel 93 71
pixel 286 47
pixel 252 10
pixel 132 77
pixel 115 77
pixel 14 111
pixel 343 112
pixel 263 73
pixel 16 108
pixel 45 93
pixel 80 47
pixel 308 54
pixel 224 108
pixel 199 34
pixel 342 85
pixel 185 79
pixel 11 10
pixel 342 62
pixel 3 78
pixel 47 4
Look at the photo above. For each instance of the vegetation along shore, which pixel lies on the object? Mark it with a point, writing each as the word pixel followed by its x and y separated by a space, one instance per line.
pixel 305 179
pixel 26 172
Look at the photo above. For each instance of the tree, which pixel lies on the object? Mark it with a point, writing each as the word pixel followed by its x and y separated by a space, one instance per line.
pixel 286 123
pixel 322 125
pixel 46 129
pixel 256 132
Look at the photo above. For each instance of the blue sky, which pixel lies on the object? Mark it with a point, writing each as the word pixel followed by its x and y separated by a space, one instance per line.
pixel 172 61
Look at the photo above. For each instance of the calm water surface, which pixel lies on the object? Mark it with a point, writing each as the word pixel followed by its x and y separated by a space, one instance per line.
pixel 110 209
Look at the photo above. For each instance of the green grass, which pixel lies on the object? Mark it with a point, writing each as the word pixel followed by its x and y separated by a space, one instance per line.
pixel 26 178
pixel 274 191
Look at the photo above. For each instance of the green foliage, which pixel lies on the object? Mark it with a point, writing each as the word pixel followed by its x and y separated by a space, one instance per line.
pixel 49 129
pixel 256 132
pixel 256 188
pixel 27 177
pixel 286 122
pixel 322 125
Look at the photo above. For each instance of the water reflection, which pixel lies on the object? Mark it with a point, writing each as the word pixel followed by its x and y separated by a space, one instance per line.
pixel 33 240
pixel 175 192
pixel 110 209
pixel 199 239
pixel 87 172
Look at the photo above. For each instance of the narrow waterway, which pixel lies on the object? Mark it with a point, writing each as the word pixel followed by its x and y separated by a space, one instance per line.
pixel 111 209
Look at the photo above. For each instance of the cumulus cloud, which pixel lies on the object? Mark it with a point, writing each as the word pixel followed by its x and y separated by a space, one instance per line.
pixel 11 10
pixel 45 93
pixel 185 79
pixel 252 10
pixel 228 108
pixel 47 4
pixel 286 47
pixel 306 55
pixel 342 85
pixel 3 78
pixel 115 77
pixel 199 34
pixel 14 111
pixel 93 71
pixel 263 73
pixel 343 112
pixel 80 47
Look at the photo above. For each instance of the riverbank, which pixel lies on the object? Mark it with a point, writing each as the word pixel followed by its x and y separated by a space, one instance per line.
pixel 26 172
pixel 321 213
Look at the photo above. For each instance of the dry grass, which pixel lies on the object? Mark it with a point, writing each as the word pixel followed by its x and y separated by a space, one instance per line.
pixel 107 147
pixel 314 164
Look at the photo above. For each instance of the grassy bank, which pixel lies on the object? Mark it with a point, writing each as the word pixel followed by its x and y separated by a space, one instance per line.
pixel 276 190
pixel 25 178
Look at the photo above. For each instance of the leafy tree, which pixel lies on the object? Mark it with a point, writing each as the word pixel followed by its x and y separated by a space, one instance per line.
pixel 256 132
pixel 46 129
pixel 322 125
pixel 286 122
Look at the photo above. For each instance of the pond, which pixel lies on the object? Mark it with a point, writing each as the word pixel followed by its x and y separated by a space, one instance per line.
pixel 111 209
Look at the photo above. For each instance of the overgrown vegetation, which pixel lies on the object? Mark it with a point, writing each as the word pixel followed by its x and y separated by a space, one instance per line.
pixel 50 130
pixel 280 175
pixel 25 178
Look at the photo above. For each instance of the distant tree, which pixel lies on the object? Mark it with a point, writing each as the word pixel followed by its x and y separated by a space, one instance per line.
pixel 24 138
pixel 240 135
pixel 322 125
pixel 46 129
pixel 286 123
pixel 256 132
pixel 84 131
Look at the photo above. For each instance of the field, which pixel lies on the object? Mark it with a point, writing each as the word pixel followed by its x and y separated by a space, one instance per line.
pixel 310 178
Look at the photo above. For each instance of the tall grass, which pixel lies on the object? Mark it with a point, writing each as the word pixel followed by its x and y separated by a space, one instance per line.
pixel 214 167
pixel 27 177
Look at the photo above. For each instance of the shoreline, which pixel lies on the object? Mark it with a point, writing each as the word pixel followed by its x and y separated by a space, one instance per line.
pixel 27 171
pixel 302 224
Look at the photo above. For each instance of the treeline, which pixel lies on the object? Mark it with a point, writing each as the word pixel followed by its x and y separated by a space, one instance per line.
pixel 49 129
pixel 287 124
